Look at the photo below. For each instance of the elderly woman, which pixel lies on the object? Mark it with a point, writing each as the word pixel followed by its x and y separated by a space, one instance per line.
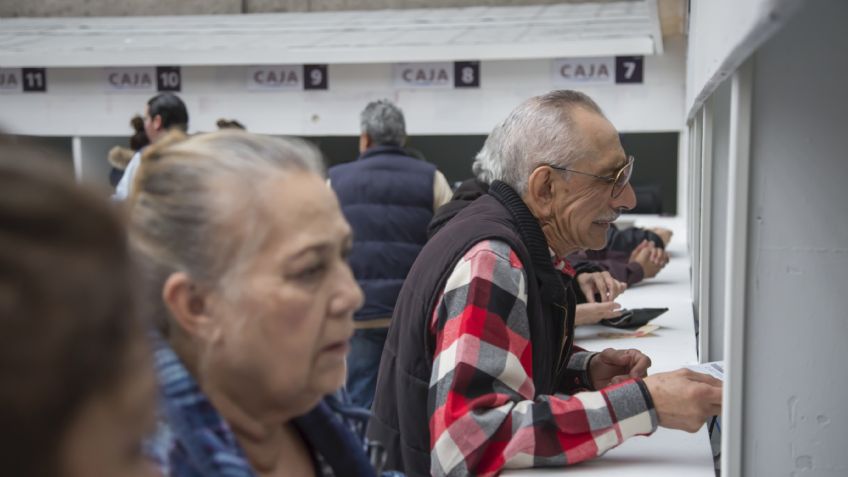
pixel 244 249
pixel 76 383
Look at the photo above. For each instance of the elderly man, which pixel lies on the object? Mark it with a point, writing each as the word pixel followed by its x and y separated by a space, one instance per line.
pixel 479 372
pixel 388 197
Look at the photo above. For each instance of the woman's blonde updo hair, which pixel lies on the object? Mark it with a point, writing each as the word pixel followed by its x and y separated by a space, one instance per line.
pixel 197 202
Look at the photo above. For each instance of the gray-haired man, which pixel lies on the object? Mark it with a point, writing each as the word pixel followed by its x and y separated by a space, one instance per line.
pixel 481 374
pixel 388 197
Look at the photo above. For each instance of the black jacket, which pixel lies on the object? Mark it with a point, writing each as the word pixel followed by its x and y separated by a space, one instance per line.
pixel 400 412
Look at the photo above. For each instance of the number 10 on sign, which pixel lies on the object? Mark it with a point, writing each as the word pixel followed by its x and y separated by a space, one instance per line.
pixel 168 78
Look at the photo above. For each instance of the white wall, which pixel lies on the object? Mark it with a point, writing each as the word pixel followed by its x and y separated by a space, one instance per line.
pixel 93 151
pixel 77 103
pixel 796 393
pixel 722 34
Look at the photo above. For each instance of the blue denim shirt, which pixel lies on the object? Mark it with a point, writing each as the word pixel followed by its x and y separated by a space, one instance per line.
pixel 193 440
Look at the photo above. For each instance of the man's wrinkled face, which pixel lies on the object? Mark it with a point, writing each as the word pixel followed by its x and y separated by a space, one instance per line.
pixel 583 206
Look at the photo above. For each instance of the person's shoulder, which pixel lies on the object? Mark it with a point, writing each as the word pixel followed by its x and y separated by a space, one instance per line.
pixel 341 168
pixel 495 249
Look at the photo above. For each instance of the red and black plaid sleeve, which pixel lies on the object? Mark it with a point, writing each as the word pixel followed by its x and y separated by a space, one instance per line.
pixel 483 414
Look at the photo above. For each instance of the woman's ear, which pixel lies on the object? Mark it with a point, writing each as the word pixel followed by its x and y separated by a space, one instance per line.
pixel 187 305
pixel 540 192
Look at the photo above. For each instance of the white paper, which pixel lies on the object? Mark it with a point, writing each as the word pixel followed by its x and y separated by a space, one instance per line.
pixel 714 369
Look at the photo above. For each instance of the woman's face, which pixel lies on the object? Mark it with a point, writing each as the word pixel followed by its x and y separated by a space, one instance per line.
pixel 105 438
pixel 284 316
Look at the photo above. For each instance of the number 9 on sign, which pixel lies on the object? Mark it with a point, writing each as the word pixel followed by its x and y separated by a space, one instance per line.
pixel 316 76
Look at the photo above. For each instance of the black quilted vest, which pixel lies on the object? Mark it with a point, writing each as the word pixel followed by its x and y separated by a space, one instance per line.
pixel 401 410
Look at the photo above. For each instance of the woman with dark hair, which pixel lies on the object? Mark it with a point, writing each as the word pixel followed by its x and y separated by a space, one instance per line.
pixel 76 383
pixel 119 157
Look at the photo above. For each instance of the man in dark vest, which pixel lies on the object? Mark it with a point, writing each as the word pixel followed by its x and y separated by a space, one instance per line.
pixel 479 372
pixel 388 197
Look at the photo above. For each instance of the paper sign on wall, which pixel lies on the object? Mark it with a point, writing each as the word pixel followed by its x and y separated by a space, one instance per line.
pixel 140 79
pixel 146 79
pixel 584 71
pixel 598 70
pixel 287 77
pixel 439 75
pixel 23 80
pixel 275 77
pixel 423 75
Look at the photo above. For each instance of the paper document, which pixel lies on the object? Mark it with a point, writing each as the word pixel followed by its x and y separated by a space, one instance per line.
pixel 714 369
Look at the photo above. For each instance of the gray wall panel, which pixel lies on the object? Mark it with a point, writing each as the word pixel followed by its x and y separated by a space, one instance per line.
pixel 720 103
pixel 795 413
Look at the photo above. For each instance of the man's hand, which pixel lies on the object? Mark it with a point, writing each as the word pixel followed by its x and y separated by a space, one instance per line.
pixel 601 283
pixel 611 366
pixel 684 399
pixel 591 313
pixel 651 258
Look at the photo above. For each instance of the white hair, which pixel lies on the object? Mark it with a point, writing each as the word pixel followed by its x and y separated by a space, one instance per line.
pixel 539 131
pixel 179 215
pixel 383 122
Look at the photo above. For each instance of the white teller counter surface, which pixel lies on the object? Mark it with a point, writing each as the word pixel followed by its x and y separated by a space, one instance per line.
pixel 667 452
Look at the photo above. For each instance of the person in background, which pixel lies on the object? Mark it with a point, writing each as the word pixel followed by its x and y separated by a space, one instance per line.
pixel 119 157
pixel 479 372
pixel 163 112
pixel 78 390
pixel 388 197
pixel 644 262
pixel 243 250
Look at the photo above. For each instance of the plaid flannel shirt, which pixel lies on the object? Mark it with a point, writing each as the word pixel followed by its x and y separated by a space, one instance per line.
pixel 484 412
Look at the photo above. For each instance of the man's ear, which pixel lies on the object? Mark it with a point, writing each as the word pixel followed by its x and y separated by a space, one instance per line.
pixel 156 122
pixel 187 305
pixel 540 192
pixel 365 142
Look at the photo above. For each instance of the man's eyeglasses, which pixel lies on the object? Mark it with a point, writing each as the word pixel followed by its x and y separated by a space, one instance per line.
pixel 619 180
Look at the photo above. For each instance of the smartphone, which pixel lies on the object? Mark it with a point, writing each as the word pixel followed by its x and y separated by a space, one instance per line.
pixel 634 318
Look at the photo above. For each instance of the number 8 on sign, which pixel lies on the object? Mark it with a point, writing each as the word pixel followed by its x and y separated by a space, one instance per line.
pixel 466 74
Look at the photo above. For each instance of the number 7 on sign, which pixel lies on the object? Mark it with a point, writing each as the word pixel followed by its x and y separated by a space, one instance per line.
pixel 629 69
